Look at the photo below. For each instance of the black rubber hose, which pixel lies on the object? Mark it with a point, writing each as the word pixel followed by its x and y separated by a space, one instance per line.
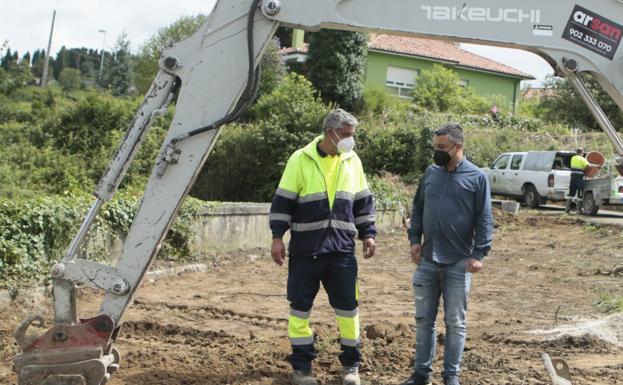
pixel 251 89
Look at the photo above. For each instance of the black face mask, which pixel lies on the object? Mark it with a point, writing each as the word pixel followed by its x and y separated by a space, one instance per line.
pixel 442 158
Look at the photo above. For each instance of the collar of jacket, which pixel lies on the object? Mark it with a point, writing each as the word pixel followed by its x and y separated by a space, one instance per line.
pixel 311 151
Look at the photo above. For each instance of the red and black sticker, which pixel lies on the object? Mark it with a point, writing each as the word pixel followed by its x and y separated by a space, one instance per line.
pixel 593 32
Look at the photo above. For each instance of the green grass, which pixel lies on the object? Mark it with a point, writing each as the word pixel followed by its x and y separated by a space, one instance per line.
pixel 610 303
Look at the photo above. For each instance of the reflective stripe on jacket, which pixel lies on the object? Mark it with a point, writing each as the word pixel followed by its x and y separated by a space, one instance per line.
pixel 301 205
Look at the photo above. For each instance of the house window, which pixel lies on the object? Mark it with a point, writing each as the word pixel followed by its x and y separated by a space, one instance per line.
pixel 400 81
pixel 463 83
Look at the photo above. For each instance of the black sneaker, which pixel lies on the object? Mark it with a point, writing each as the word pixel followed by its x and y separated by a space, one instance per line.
pixel 452 380
pixel 418 379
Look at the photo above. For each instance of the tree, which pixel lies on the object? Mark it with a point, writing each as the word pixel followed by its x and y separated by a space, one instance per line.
pixel 273 68
pixel 146 66
pixel 37 63
pixel 564 104
pixel 15 74
pixel 337 62
pixel 35 57
pixel 121 76
pixel 87 69
pixel 60 62
pixel 70 79
pixel 438 89
pixel 7 60
pixel 3 46
pixel 26 59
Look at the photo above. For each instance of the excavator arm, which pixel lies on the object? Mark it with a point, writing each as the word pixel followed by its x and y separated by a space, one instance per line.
pixel 215 74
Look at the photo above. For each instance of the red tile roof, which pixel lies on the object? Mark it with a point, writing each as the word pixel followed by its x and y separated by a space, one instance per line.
pixel 440 50
pixel 538 92
pixel 432 49
pixel 291 50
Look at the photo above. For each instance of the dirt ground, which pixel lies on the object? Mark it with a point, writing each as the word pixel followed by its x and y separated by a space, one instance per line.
pixel 228 325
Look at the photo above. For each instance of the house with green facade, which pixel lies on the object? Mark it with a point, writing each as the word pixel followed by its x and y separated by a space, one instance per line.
pixel 395 62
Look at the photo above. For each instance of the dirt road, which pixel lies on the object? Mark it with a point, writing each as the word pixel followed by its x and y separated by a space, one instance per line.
pixel 228 325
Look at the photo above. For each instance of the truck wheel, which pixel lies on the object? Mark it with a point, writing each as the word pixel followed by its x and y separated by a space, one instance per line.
pixel 532 197
pixel 590 207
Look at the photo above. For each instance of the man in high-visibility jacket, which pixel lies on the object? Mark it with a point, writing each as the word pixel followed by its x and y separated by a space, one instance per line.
pixel 576 186
pixel 324 200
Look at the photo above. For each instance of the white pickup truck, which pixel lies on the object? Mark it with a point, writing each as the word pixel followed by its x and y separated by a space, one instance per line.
pixel 533 176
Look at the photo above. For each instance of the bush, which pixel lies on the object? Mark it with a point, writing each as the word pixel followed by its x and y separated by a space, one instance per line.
pixel 376 102
pixel 292 105
pixel 438 89
pixel 15 111
pixel 27 170
pixel 35 233
pixel 390 193
pixel 248 159
pixel 70 79
pixel 91 128
pixel 398 147
pixel 87 126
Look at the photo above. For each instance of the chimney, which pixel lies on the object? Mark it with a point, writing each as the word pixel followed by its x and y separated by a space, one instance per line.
pixel 298 37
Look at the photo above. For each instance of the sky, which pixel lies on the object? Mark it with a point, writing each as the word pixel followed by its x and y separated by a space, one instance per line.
pixel 26 25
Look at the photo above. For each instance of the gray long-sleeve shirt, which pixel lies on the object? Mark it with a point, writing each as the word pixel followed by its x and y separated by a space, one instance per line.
pixel 452 210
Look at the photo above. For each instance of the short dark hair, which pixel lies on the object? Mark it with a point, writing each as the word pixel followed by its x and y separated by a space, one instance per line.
pixel 453 130
pixel 579 151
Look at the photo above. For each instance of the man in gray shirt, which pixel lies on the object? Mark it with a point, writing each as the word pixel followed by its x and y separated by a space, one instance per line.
pixel 450 234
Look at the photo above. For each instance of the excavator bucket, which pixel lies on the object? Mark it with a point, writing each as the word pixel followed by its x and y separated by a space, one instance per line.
pixel 67 354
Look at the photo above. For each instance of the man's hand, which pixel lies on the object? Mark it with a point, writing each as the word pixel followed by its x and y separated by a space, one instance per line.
pixel 369 247
pixel 473 265
pixel 278 251
pixel 416 254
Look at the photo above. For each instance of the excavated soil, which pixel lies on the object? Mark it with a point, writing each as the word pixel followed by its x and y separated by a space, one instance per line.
pixel 227 325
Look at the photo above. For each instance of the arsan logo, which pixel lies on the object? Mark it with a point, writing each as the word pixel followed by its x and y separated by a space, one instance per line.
pixel 596 24
pixel 499 15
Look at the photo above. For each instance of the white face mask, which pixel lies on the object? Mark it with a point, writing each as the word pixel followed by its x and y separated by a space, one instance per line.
pixel 344 146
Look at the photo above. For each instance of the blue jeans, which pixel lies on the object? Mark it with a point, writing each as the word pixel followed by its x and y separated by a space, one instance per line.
pixel 431 282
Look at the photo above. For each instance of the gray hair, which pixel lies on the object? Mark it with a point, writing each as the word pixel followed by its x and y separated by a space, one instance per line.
pixel 337 118
pixel 453 130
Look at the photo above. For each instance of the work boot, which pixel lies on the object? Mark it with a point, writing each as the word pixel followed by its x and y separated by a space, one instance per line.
pixel 568 206
pixel 451 380
pixel 418 379
pixel 302 377
pixel 351 376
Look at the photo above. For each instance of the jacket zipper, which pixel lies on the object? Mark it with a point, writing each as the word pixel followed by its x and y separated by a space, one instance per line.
pixel 326 187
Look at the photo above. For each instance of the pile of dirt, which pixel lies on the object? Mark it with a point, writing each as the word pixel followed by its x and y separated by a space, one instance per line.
pixel 504 218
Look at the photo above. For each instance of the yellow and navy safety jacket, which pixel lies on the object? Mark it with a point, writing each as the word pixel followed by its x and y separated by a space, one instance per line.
pixel 301 205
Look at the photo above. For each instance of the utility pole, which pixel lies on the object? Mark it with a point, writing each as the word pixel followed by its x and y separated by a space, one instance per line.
pixel 44 77
pixel 102 58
